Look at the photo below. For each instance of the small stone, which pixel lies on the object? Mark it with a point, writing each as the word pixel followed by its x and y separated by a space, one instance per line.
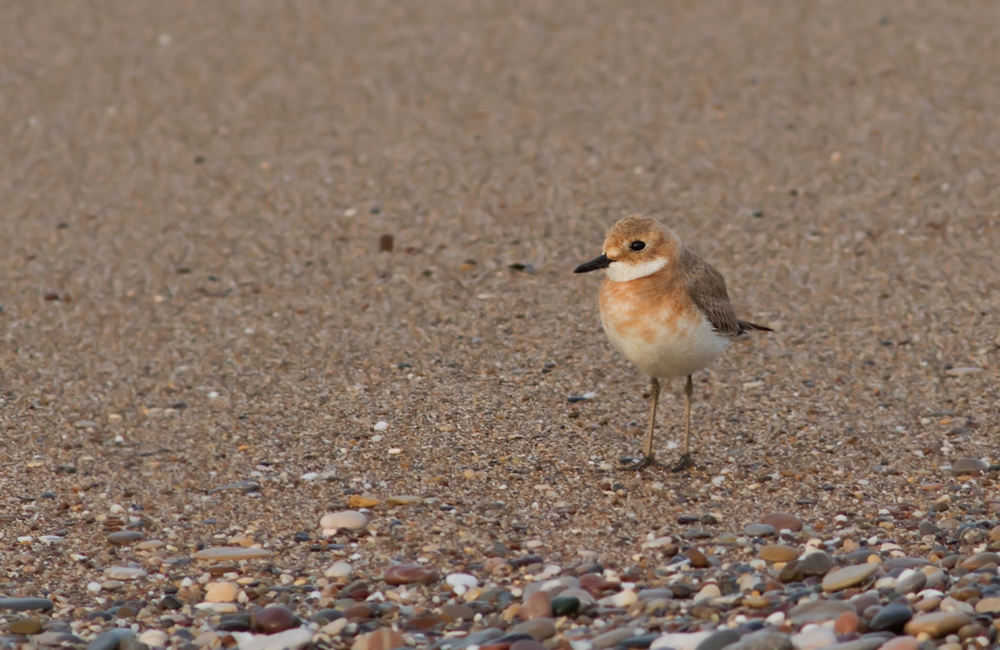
pixel 759 530
pixel 778 553
pixel 111 639
pixel 763 640
pixel 910 582
pixel 272 619
pixel 719 640
pixel 698 559
pixel 293 639
pixel 539 628
pixel 818 611
pixel 231 553
pixel 347 519
pixel 964 466
pixel 708 591
pixel 565 605
pixel 359 501
pixel 124 573
pixel 239 622
pixel 981 559
pixel 25 626
pixel 816 637
pixel 816 563
pixel 538 606
pixel 527 644
pixel 848 576
pixel 405 500
pixel 326 615
pixel 26 604
pixel 680 640
pixel 891 618
pixel 937 624
pixel 989 605
pixel 221 592
pixel 461 582
pixel 124 537
pixel 846 623
pixel 452 613
pixel 640 641
pixel 154 638
pixel 404 574
pixel 782 521
pixel 901 643
pixel 611 638
pixel 170 603
pixel 338 570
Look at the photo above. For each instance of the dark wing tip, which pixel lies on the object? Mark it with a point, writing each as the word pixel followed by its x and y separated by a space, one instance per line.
pixel 746 325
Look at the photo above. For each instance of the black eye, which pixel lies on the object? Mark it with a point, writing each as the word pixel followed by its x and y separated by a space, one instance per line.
pixel 637 245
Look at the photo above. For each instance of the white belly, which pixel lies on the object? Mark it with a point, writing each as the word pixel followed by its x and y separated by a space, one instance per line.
pixel 672 352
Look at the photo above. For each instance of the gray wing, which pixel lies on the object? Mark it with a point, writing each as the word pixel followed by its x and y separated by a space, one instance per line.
pixel 708 291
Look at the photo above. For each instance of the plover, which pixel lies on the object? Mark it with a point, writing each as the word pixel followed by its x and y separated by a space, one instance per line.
pixel 665 309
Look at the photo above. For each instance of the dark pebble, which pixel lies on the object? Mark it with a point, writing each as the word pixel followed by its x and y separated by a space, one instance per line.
pixel 643 641
pixel 719 640
pixel 565 605
pixel 26 604
pixel 327 615
pixel 891 618
pixel 111 639
pixel 235 622
pixel 170 602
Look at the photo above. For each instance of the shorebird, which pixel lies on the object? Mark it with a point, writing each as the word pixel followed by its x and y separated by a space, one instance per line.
pixel 665 309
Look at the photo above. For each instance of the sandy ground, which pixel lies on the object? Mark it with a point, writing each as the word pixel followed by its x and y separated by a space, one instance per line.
pixel 192 197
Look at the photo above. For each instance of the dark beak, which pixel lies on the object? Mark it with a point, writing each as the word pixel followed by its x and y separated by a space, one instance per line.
pixel 601 262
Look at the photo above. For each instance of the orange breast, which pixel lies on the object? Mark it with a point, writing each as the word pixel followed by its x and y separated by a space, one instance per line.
pixel 648 309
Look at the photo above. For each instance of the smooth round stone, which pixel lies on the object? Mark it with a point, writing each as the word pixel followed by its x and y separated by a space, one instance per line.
pixel 981 559
pixel 816 637
pixel 782 521
pixel 221 592
pixel 937 624
pixel 538 606
pixel 404 574
pixel 816 563
pixel 405 500
pixel 539 628
pixel 910 582
pixel 25 626
pixel 217 570
pixel 759 530
pixel 170 603
pixel 231 553
pixel 347 519
pixel 124 573
pixel 154 638
pixel 239 622
pixel 565 605
pixel 293 639
pixel 848 576
pixel 967 466
pixel 112 585
pixel 452 613
pixel 989 605
pixel 901 643
pixel 612 638
pixel 778 553
pixel 818 611
pixel 124 537
pixel 766 639
pixel 641 641
pixel 846 623
pixel 719 640
pixel 461 582
pixel 326 615
pixel 111 639
pixel 338 570
pixel 527 644
pixel 893 617
pixel 26 604
pixel 273 619
pixel 680 640
pixel 150 545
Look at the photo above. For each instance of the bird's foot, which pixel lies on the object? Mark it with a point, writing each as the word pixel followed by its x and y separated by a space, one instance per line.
pixel 629 463
pixel 683 463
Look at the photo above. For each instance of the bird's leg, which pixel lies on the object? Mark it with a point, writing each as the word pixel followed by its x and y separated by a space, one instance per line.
pixel 685 461
pixel 647 446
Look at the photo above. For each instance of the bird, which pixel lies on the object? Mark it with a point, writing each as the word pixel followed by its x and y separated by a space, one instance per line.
pixel 665 309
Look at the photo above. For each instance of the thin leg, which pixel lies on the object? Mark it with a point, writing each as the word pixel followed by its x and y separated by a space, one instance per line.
pixel 647 447
pixel 685 461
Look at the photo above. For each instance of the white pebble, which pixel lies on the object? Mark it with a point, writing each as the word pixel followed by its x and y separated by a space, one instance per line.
pixel 94 587
pixel 349 519
pixel 154 638
pixel 381 425
pixel 461 582
pixel 338 570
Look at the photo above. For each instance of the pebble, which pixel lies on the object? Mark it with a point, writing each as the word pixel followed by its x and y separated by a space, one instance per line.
pixel 293 639
pixel 232 553
pixel 405 500
pixel 124 537
pixel 846 623
pixel 893 617
pixel 759 530
pixel 612 638
pixel 154 638
pixel 980 560
pixel 381 639
pixel 124 573
pixel 221 592
pixel 680 640
pixel 461 582
pixel 989 605
pixel 719 640
pixel 346 519
pixel 901 643
pixel 111 639
pixel 816 563
pixel 937 624
pixel 539 628
pixel 818 611
pixel 527 644
pixel 25 626
pixel 782 521
pixel 848 576
pixel 964 466
pixel 565 605
pixel 404 574
pixel 338 570
pixel 814 638
pixel 26 604
pixel 778 553
pixel 764 640
pixel 538 606
pixel 272 619
pixel 359 501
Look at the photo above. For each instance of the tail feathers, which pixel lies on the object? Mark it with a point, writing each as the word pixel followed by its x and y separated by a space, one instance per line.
pixel 746 325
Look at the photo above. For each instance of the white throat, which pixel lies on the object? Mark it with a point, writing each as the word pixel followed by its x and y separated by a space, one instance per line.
pixel 619 272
